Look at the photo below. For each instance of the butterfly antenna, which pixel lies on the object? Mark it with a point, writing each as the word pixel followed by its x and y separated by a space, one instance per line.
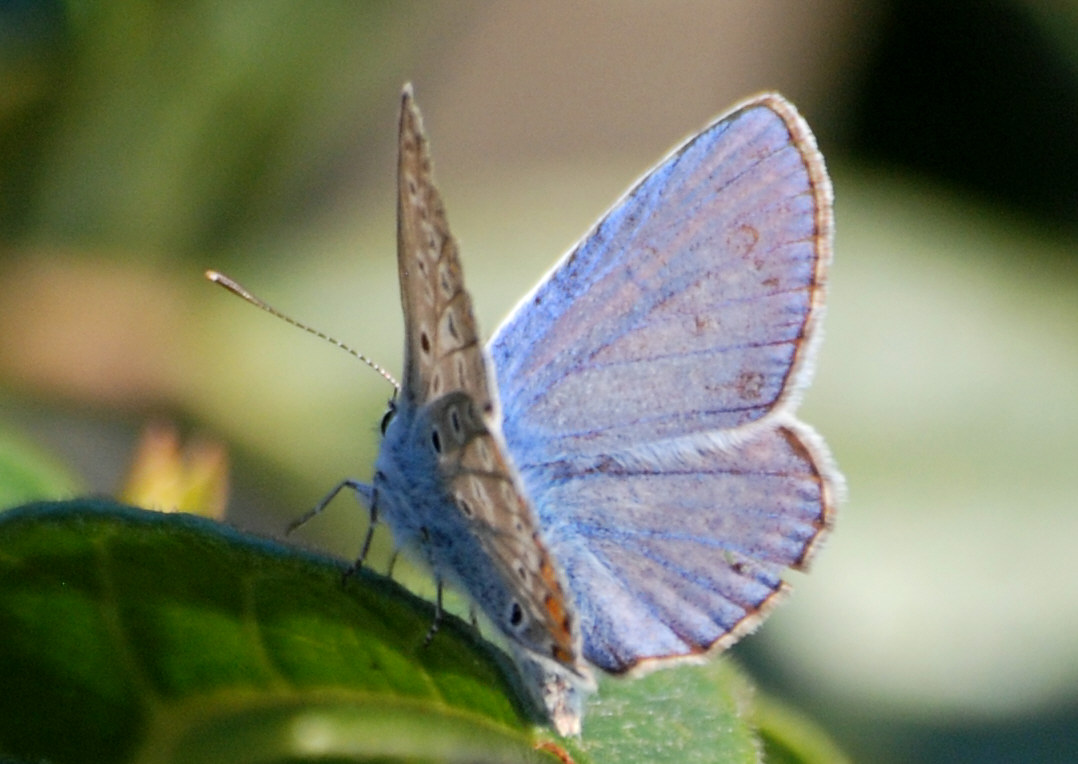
pixel 238 290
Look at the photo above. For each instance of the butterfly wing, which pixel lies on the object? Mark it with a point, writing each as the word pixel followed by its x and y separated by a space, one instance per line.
pixel 446 390
pixel 671 556
pixel 647 385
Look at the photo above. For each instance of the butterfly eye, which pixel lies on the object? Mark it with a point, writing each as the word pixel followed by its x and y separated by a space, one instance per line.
pixel 391 411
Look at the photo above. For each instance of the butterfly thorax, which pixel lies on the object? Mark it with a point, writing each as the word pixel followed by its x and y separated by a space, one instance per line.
pixel 409 496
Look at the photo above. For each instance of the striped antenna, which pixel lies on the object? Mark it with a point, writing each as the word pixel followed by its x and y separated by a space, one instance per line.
pixel 238 290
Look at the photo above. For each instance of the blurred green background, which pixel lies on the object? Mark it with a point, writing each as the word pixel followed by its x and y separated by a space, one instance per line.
pixel 142 142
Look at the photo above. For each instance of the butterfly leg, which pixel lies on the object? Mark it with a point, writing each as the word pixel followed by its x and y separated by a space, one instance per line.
pixel 361 489
pixel 355 567
pixel 437 616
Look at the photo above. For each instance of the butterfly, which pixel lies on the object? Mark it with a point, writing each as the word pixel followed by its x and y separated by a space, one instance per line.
pixel 618 479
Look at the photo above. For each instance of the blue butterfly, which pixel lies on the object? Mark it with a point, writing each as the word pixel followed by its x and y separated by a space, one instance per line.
pixel 619 478
pixel 643 485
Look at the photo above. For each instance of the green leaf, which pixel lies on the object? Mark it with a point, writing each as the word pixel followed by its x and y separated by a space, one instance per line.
pixel 685 714
pixel 142 636
pixel 29 474
pixel 150 637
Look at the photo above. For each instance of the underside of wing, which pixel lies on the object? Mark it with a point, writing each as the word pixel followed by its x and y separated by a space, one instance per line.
pixel 448 395
pixel 441 346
